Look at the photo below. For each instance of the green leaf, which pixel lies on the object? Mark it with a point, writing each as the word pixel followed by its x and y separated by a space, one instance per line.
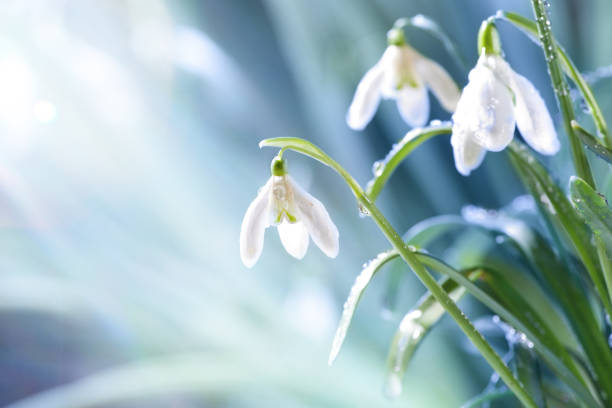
pixel 594 209
pixel 385 167
pixel 557 209
pixel 420 235
pixel 361 283
pixel 479 400
pixel 592 142
pixel 528 371
pixel 592 206
pixel 531 245
pixel 519 295
pixel 499 296
pixel 558 212
pixel 414 327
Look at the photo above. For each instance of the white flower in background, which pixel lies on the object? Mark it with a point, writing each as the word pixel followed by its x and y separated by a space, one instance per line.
pixel 297 214
pixel 404 75
pixel 495 101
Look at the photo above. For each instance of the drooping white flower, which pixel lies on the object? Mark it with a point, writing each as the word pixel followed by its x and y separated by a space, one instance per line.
pixel 494 102
pixel 297 214
pixel 404 75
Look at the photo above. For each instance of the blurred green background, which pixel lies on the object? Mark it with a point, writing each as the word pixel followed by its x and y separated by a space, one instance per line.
pixel 128 155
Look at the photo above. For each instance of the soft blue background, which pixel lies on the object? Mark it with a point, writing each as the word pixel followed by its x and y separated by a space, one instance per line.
pixel 128 155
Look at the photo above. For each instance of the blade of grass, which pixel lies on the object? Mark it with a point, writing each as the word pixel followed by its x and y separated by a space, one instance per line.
pixel 361 283
pixel 558 212
pixel 385 167
pixel 414 327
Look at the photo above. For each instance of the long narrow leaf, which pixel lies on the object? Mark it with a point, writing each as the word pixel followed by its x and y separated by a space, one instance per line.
pixel 524 319
pixel 559 212
pixel 596 213
pixel 361 283
pixel 592 142
pixel 385 167
pixel 414 327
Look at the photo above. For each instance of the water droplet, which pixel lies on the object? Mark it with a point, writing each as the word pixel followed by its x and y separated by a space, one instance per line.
pixel 386 313
pixel 393 386
pixel 363 212
pixel 378 167
pixel 546 201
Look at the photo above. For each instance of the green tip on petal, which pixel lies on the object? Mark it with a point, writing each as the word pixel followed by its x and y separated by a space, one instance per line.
pixel 396 36
pixel 278 167
pixel 488 39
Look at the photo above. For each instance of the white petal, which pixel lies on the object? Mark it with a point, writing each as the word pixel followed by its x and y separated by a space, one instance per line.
pixel 316 220
pixel 395 64
pixel 413 105
pixel 254 224
pixel 439 81
pixel 294 238
pixel 533 118
pixel 485 109
pixel 468 154
pixel 366 99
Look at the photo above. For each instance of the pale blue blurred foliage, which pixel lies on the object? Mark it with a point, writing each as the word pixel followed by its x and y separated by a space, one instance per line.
pixel 128 155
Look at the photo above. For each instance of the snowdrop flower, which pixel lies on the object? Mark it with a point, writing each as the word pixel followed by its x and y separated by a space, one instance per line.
pixel 296 214
pixel 495 100
pixel 404 75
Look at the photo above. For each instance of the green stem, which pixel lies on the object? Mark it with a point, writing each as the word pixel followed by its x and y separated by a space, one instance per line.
pixel 401 149
pixel 605 264
pixel 561 90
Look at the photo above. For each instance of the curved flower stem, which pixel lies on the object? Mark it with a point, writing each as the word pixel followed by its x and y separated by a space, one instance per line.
pixel 412 140
pixel 579 157
pixel 411 260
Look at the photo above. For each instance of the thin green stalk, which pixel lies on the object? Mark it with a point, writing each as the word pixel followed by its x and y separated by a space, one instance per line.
pixel 589 97
pixel 561 89
pixel 605 264
pixel 413 139
pixel 410 258
pixel 580 160
pixel 479 400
